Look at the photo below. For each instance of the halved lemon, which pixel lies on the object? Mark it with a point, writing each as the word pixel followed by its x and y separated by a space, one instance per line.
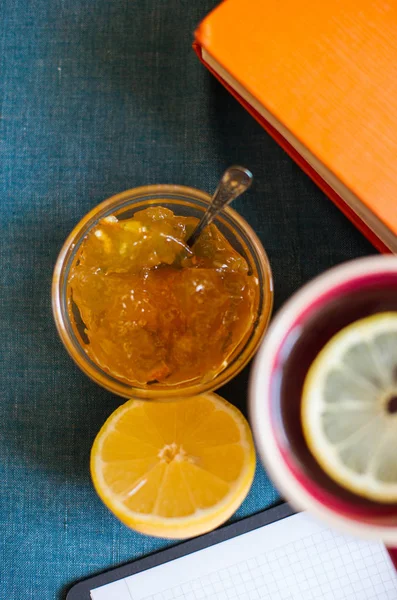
pixel 174 469
pixel 349 407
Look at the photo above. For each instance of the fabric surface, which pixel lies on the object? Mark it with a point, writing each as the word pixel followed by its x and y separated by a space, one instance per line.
pixel 95 98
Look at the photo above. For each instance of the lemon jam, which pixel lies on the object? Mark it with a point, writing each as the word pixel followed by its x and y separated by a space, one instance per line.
pixel 154 310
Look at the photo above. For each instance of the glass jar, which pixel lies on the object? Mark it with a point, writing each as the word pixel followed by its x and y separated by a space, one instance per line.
pixel 183 201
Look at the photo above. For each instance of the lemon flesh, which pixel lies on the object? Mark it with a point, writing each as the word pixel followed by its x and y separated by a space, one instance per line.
pixel 174 469
pixel 349 407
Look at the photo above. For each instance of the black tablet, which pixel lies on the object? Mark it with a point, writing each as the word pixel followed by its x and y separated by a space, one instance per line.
pixel 82 590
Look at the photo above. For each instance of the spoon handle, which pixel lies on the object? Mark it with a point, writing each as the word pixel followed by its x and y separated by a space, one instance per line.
pixel 233 183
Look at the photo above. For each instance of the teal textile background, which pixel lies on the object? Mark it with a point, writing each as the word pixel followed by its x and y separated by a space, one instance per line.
pixel 95 98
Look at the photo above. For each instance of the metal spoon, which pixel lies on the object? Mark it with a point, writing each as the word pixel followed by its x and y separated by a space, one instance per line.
pixel 233 183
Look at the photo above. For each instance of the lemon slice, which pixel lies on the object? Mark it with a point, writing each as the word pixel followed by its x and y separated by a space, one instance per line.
pixel 349 407
pixel 174 469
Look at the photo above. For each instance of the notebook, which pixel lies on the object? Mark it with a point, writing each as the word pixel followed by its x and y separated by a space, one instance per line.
pixel 321 77
pixel 294 558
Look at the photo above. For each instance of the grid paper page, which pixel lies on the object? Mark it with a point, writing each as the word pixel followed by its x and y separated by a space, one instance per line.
pixel 296 558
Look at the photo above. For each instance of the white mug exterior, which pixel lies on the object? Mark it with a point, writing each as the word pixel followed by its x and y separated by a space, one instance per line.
pixel 260 406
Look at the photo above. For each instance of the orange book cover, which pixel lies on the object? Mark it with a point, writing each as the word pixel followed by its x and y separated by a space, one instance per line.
pixel 321 77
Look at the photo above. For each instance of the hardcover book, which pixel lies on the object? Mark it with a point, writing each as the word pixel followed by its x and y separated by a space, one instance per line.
pixel 321 77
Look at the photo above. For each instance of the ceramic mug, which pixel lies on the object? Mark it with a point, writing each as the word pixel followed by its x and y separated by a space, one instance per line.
pixel 301 328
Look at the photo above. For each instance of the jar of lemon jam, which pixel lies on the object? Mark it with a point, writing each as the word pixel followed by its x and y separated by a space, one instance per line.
pixel 143 315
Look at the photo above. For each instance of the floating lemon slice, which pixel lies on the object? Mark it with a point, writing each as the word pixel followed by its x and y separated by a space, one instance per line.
pixel 349 407
pixel 174 469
